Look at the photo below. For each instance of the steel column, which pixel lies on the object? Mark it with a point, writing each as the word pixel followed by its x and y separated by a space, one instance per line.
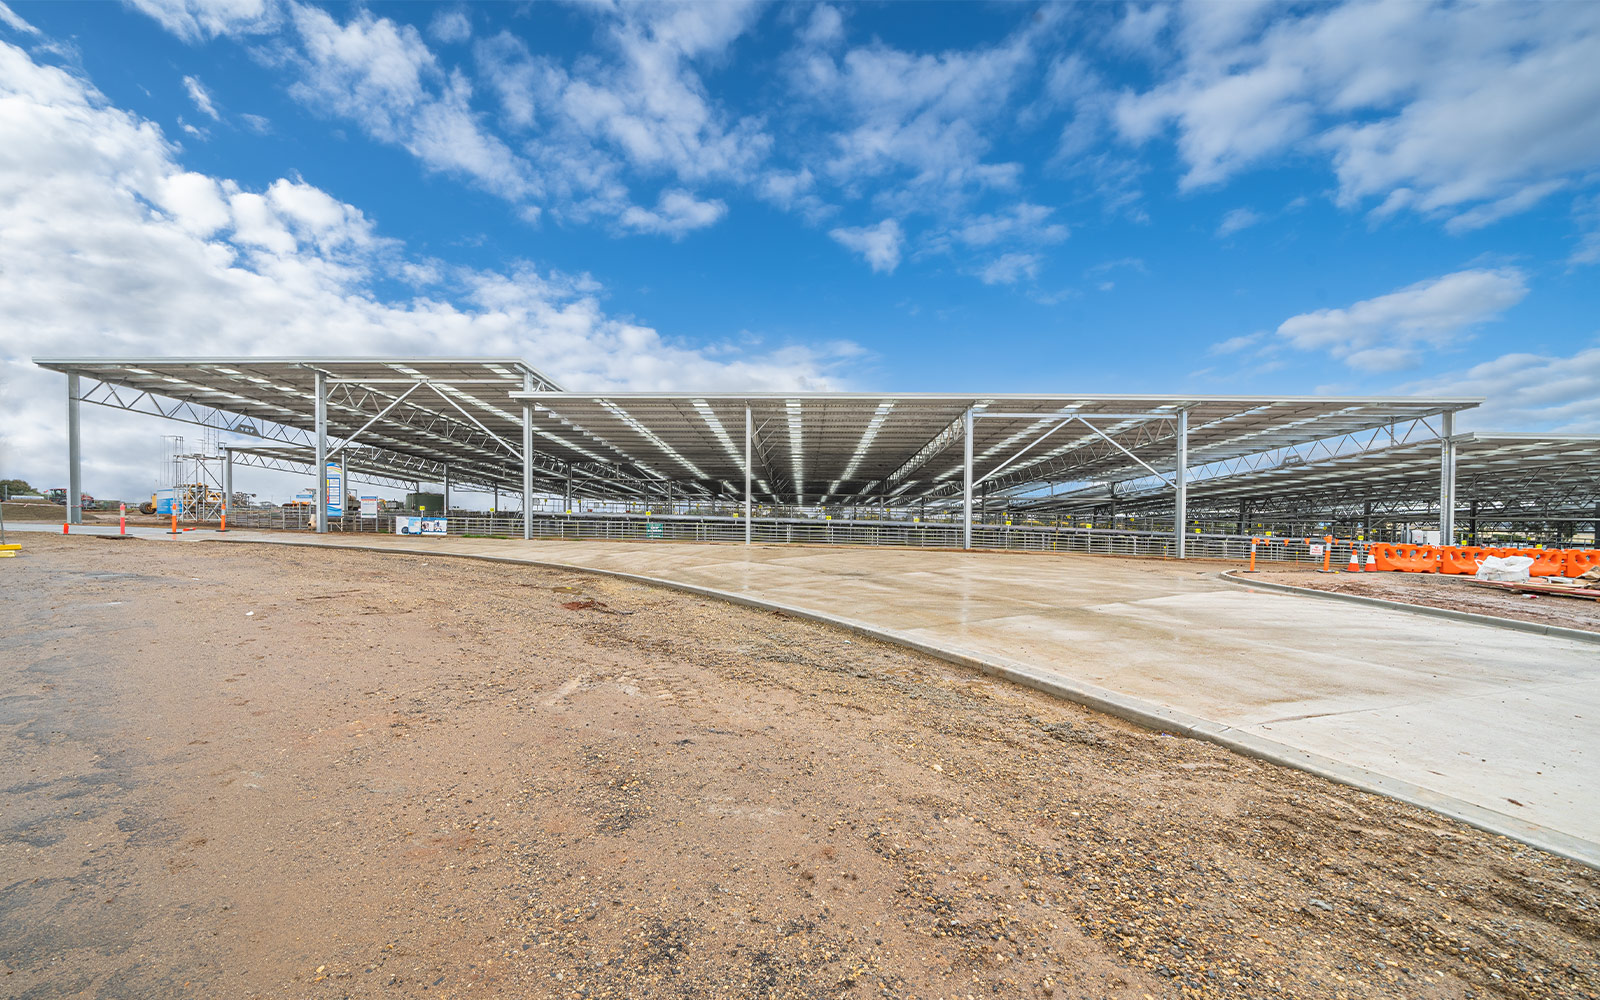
pixel 527 461
pixel 320 414
pixel 1180 483
pixel 447 489
pixel 344 485
pixel 568 492
pixel 749 436
pixel 966 480
pixel 74 455
pixel 227 479
pixel 1447 479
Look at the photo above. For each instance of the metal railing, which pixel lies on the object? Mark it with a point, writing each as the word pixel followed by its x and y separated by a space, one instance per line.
pixel 813 531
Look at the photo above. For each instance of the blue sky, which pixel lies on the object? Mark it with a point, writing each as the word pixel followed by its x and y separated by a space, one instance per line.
pixel 1221 198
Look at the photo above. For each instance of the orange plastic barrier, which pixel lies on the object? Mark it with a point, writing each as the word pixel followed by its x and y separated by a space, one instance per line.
pixel 1384 556
pixel 1460 560
pixel 1414 559
pixel 1548 562
pixel 1580 561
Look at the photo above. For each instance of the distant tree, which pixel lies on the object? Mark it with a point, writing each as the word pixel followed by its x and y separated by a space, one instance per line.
pixel 16 488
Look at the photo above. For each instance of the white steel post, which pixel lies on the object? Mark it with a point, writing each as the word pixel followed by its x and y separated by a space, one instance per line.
pixel 344 483
pixel 227 479
pixel 320 504
pixel 446 510
pixel 567 494
pixel 527 461
pixel 74 456
pixel 1447 479
pixel 966 481
pixel 1180 484
pixel 749 435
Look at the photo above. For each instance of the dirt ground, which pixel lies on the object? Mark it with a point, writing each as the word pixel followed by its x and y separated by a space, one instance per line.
pixel 247 771
pixel 1444 592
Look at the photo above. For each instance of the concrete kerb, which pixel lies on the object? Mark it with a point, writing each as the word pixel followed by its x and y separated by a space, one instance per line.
pixel 1134 710
pixel 1554 631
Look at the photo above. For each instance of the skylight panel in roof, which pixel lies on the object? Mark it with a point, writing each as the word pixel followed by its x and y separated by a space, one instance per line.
pixel 793 410
pixel 873 426
pixel 650 436
pixel 718 431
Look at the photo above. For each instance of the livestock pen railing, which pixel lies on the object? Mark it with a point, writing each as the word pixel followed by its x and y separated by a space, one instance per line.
pixel 813 531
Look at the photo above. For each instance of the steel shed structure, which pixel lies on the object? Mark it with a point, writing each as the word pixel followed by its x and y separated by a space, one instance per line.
pixel 500 423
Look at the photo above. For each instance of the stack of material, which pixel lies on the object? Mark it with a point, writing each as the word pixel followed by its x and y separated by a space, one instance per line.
pixel 1585 585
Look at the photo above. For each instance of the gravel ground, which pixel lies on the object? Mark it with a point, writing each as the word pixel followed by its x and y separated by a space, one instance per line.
pixel 248 771
pixel 1445 592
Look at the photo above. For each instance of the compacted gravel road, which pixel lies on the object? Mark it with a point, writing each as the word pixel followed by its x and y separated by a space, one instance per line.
pixel 253 771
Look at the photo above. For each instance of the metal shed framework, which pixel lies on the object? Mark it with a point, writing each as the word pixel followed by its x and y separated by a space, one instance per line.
pixel 498 423
pixel 1367 479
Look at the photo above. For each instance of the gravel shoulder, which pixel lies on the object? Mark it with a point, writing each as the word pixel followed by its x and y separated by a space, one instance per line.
pixel 253 771
pixel 1447 592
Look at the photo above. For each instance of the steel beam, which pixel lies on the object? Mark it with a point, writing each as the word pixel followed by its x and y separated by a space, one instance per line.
pixel 1447 478
pixel 527 462
pixel 1180 485
pixel 320 419
pixel 74 456
pixel 749 437
pixel 966 480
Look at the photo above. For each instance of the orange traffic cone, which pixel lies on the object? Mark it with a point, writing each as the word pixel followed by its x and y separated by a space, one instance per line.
pixel 1355 561
pixel 1372 562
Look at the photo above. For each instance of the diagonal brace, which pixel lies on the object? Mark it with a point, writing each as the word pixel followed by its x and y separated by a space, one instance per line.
pixel 381 414
pixel 462 410
pixel 1136 458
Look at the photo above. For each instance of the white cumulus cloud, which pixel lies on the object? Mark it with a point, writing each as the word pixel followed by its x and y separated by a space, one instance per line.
pixel 201 97
pixel 113 248
pixel 1008 269
pixel 878 245
pixel 1390 331
pixel 1237 219
pixel 677 212
pixel 1464 112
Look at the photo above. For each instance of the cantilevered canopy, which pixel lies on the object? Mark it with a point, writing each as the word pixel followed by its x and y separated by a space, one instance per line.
pixel 899 447
pixel 413 415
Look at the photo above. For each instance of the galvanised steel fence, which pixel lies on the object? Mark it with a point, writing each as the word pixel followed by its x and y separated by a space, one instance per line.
pixel 813 531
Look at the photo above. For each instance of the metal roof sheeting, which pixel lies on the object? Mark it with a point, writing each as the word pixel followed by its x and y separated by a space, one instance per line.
pixel 809 446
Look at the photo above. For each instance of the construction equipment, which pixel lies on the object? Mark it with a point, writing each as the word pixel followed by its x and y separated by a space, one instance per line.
pixel 193 501
pixel 59 496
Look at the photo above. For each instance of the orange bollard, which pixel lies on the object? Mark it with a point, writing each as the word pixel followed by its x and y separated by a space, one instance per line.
pixel 174 520
pixel 63 527
pixel 224 518
pixel 1252 568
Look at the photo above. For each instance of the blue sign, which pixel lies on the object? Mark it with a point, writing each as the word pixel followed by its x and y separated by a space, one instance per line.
pixel 335 490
